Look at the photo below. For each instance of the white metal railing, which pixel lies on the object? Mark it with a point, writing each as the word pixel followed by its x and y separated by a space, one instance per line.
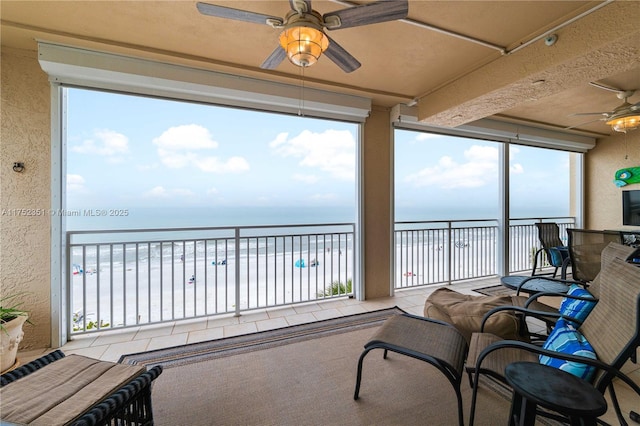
pixel 524 241
pixel 126 278
pixel 444 251
pixel 436 252
pixel 123 278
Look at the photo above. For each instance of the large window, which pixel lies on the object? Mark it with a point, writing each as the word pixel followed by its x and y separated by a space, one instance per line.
pixel 539 182
pixel 441 177
pixel 458 181
pixel 151 162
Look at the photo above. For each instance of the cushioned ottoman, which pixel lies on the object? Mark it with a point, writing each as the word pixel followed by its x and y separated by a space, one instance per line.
pixel 75 390
pixel 465 312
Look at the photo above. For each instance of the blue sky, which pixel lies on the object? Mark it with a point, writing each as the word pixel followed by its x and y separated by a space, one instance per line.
pixel 126 151
pixel 434 170
pixel 129 151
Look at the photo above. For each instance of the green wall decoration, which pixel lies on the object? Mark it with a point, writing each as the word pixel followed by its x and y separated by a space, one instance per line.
pixel 627 176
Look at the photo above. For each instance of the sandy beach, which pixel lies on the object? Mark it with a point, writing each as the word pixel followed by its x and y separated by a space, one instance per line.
pixel 154 282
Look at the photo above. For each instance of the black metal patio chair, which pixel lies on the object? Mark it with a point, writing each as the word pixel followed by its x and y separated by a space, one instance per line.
pixel 585 248
pixel 553 249
pixel 612 329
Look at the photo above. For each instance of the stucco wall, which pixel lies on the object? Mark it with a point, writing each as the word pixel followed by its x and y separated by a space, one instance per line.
pixel 24 234
pixel 603 199
pixel 25 240
pixel 377 200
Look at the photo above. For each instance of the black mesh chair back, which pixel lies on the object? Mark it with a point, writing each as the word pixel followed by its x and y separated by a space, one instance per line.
pixel 549 237
pixel 585 250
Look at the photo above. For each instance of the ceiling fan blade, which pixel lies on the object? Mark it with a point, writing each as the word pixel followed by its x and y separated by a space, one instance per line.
pixel 582 124
pixel 606 114
pixel 276 57
pixel 295 7
pixel 341 57
pixel 370 13
pixel 605 87
pixel 237 14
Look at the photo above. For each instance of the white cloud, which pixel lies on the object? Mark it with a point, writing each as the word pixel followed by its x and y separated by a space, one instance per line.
pixel 161 192
pixel 157 192
pixel 75 183
pixel 106 142
pixel 182 146
pixel 332 151
pixel 186 137
pixel 480 168
pixel 424 136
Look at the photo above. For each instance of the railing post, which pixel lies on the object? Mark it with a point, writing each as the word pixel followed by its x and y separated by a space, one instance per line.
pixel 237 270
pixel 449 251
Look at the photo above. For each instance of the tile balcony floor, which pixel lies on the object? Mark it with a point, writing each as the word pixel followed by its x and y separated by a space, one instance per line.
pixel 111 345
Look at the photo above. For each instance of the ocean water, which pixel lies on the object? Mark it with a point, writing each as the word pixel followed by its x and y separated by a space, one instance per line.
pixel 185 217
pixel 197 217
pixel 206 217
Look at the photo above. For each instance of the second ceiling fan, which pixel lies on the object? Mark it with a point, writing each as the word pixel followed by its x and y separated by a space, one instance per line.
pixel 303 38
pixel 623 118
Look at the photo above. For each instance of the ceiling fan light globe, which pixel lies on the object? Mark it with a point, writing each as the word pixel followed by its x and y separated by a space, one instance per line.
pixel 624 124
pixel 303 45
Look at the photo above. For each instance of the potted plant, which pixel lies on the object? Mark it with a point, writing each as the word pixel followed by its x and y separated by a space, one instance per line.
pixel 12 318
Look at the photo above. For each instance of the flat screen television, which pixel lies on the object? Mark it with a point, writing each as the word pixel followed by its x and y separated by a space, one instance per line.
pixel 631 208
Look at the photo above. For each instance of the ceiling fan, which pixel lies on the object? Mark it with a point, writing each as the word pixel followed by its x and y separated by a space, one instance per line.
pixel 623 118
pixel 303 38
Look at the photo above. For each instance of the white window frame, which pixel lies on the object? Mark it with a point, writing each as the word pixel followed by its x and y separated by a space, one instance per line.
pixel 69 66
pixel 405 117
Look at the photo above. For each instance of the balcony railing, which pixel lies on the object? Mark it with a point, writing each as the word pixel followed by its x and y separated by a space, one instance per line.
pixel 437 252
pixel 125 278
pixel 523 241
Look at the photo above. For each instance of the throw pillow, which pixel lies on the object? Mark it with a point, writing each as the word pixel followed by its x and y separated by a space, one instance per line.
pixel 566 339
pixel 574 308
pixel 558 254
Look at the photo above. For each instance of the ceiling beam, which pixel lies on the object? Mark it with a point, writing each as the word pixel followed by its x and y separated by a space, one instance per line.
pixel 603 43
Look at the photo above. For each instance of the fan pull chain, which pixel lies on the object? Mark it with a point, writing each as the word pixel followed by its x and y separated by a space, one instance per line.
pixel 301 104
pixel 626 148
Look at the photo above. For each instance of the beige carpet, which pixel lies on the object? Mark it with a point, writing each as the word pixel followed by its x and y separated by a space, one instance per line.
pixel 290 377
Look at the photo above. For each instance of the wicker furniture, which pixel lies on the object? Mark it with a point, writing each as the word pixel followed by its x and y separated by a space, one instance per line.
pixel 79 391
pixel 612 328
